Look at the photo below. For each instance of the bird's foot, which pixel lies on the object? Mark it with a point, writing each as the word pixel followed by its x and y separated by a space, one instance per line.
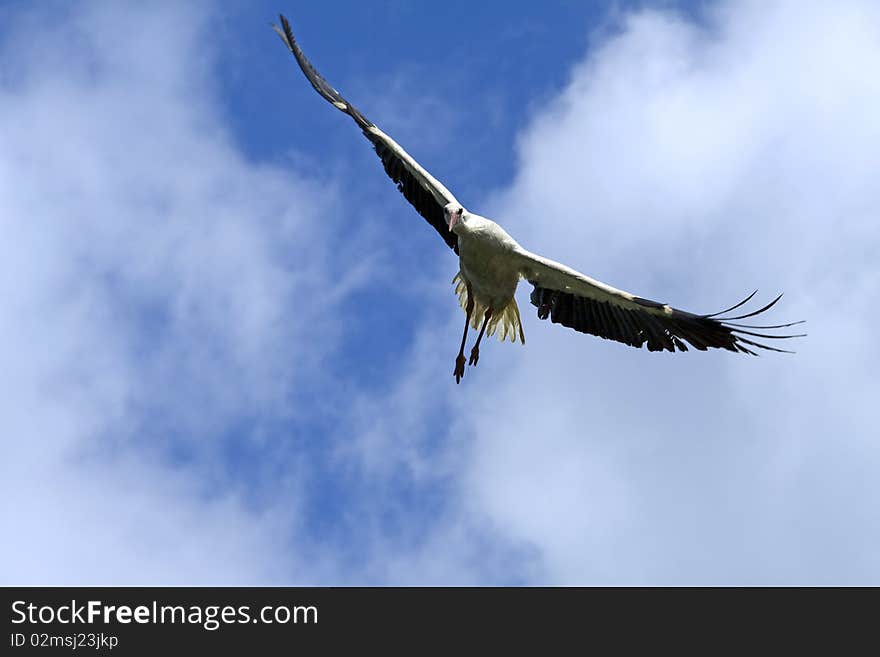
pixel 459 368
pixel 475 356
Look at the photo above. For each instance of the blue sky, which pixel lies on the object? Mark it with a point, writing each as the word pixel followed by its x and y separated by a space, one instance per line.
pixel 228 341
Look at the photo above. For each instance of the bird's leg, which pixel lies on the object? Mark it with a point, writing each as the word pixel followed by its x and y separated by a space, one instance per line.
pixel 475 352
pixel 460 361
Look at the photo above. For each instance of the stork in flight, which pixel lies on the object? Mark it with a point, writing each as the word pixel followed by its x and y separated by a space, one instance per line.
pixel 491 264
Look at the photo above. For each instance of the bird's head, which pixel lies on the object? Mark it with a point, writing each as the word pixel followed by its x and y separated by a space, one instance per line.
pixel 453 213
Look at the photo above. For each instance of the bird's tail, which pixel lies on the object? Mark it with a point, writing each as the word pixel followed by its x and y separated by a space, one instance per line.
pixel 506 323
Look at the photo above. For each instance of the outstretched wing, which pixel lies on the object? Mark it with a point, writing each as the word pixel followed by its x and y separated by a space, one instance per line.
pixel 569 298
pixel 427 195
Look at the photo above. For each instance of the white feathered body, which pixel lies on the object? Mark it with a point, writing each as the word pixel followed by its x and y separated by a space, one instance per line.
pixel 486 262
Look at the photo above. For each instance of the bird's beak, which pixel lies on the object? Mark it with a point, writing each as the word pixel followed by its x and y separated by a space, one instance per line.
pixel 453 219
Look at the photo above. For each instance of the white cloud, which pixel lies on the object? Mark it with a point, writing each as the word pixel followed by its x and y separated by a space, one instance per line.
pixel 692 163
pixel 150 277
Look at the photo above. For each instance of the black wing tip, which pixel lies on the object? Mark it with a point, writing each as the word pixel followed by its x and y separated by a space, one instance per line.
pixel 738 331
pixel 643 328
pixel 766 326
pixel 324 88
pixel 284 31
pixel 747 315
pixel 288 31
pixel 734 307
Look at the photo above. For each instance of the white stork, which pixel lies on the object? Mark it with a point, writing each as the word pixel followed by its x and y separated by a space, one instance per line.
pixel 491 264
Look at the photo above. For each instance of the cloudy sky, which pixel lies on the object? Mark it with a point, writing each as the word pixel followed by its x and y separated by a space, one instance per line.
pixel 227 342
